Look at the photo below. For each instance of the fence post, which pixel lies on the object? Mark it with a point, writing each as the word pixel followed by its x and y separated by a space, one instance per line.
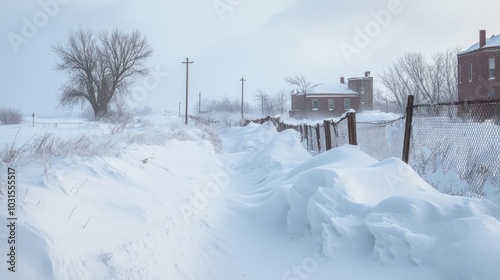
pixel 306 134
pixel 318 137
pixel 328 136
pixel 351 124
pixel 408 125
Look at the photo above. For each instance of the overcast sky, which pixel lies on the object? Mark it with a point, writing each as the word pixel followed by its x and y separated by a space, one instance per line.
pixel 262 41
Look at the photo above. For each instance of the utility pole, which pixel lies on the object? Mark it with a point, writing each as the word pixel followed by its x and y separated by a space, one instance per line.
pixel 179 109
pixel 187 62
pixel 199 102
pixel 242 86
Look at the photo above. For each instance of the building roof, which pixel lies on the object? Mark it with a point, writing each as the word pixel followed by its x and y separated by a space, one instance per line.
pixel 331 88
pixel 492 42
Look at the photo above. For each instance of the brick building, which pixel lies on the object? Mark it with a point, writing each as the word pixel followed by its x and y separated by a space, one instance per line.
pixel 478 73
pixel 334 99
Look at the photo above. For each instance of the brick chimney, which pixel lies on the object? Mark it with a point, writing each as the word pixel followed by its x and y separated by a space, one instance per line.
pixel 342 80
pixel 482 38
pixel 367 74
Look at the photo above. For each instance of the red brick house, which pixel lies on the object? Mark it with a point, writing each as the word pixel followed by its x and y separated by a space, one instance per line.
pixel 334 99
pixel 478 73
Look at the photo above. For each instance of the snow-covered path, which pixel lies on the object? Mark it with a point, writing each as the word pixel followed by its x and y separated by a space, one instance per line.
pixel 253 220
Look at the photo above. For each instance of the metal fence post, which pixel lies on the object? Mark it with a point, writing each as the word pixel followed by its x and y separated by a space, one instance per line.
pixel 328 136
pixel 301 133
pixel 318 138
pixel 408 125
pixel 351 124
pixel 306 130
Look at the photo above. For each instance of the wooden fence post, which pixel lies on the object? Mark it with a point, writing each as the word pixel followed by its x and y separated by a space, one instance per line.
pixel 351 125
pixel 318 136
pixel 306 135
pixel 328 136
pixel 408 125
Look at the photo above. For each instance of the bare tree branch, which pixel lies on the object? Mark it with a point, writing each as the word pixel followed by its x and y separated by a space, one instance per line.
pixel 300 82
pixel 431 81
pixel 100 66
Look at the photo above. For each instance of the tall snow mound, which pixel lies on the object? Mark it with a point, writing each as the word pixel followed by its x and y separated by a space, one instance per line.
pixel 266 150
pixel 354 203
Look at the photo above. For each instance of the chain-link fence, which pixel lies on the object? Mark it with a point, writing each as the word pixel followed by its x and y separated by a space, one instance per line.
pixel 381 139
pixel 456 146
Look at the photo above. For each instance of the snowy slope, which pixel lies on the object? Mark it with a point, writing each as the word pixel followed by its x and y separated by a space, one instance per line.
pixel 264 209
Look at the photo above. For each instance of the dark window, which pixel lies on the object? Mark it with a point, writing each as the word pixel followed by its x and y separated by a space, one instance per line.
pixel 491 68
pixel 491 93
pixel 315 104
pixel 460 73
pixel 347 104
pixel 331 104
pixel 470 71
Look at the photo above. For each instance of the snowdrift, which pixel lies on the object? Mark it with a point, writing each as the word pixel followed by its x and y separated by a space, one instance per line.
pixel 134 213
pixel 353 203
pixel 358 208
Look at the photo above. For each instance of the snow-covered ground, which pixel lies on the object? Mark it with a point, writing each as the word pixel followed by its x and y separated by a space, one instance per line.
pixel 160 200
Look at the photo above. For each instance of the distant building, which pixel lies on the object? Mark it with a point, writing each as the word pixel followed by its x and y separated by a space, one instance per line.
pixel 478 73
pixel 334 99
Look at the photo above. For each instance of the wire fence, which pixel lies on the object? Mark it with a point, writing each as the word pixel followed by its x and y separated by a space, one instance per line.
pixel 455 143
pixel 381 139
pixel 318 138
pixel 453 146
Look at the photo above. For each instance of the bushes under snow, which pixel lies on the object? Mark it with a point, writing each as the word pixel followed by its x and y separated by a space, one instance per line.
pixel 104 140
pixel 10 116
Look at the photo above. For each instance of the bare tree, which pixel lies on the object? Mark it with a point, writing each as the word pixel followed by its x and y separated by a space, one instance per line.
pixel 300 83
pixel 273 104
pixel 281 100
pixel 451 75
pixel 398 84
pixel 262 97
pixel 100 67
pixel 430 82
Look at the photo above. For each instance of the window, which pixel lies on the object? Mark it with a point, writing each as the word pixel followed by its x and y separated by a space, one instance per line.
pixel 362 91
pixel 315 104
pixel 331 104
pixel 459 73
pixel 347 104
pixel 491 93
pixel 470 71
pixel 491 68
